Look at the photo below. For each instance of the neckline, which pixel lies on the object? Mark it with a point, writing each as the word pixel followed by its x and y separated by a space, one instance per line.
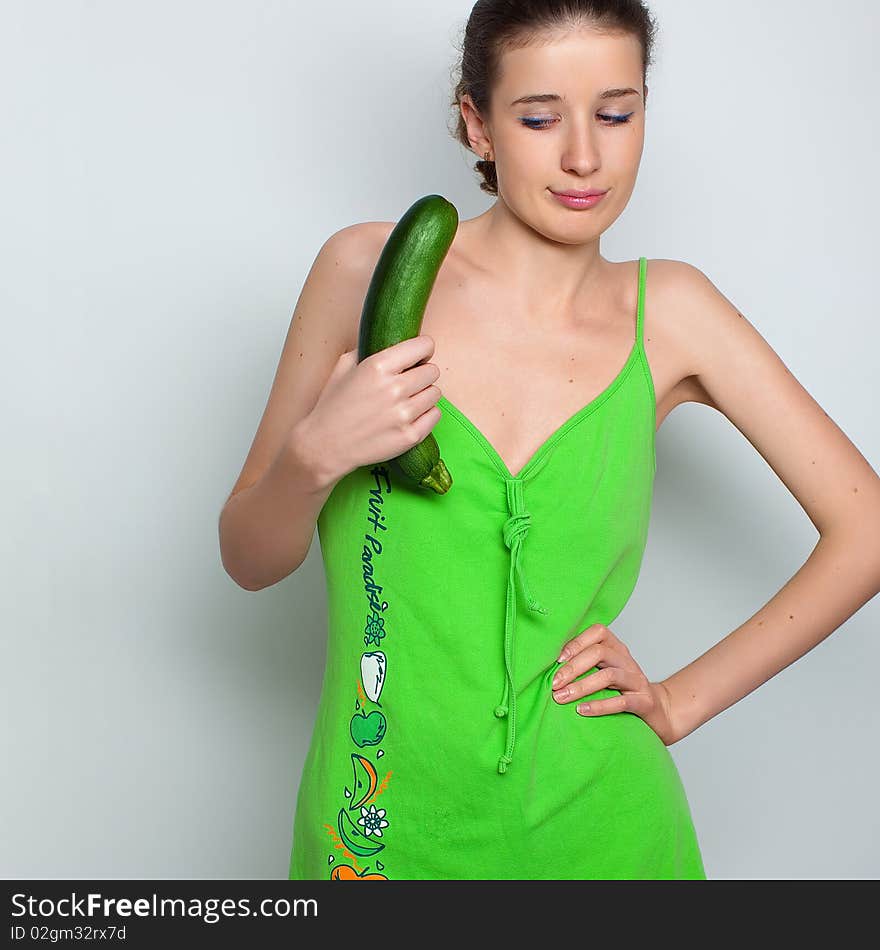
pixel 554 436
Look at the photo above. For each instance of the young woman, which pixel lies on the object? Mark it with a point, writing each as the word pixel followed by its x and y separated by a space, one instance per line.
pixel 479 717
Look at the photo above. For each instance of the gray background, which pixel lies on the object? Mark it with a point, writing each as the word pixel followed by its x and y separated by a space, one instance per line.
pixel 170 171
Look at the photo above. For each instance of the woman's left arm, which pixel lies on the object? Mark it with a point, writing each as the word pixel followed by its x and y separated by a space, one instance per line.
pixel 833 482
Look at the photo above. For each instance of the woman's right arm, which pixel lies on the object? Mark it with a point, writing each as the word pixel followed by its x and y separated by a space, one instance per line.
pixel 327 414
pixel 268 522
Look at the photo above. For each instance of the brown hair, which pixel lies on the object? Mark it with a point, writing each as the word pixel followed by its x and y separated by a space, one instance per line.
pixel 495 26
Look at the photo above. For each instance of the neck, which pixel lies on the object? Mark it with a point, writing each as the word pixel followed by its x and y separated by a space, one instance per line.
pixel 541 271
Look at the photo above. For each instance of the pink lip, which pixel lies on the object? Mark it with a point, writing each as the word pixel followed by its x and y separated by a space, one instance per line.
pixel 582 199
pixel 574 193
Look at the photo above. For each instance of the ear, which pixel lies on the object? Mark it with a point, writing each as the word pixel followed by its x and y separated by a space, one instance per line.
pixel 477 132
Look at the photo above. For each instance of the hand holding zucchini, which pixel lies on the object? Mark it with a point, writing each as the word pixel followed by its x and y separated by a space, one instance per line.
pixel 395 304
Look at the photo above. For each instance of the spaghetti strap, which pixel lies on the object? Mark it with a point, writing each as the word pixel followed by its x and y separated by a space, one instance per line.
pixel 640 310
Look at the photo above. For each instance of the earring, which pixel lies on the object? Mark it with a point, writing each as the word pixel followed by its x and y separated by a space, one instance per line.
pixel 486 157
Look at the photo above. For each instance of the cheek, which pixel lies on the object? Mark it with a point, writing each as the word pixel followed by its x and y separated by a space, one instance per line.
pixel 625 145
pixel 526 156
pixel 634 145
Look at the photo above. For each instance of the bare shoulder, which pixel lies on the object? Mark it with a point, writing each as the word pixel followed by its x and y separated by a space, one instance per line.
pixel 699 324
pixel 340 276
pixel 356 249
pixel 671 284
pixel 366 239
pixel 746 380
pixel 698 320
pixel 324 325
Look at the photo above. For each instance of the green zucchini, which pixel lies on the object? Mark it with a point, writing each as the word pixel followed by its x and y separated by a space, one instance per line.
pixel 394 307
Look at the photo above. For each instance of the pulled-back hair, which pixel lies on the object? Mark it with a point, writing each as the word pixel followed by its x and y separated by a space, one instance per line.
pixel 496 26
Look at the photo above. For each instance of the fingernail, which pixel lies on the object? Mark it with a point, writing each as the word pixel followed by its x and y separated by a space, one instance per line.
pixel 557 680
pixel 562 657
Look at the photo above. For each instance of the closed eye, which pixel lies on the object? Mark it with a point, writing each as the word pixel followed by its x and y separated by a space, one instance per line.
pixel 533 123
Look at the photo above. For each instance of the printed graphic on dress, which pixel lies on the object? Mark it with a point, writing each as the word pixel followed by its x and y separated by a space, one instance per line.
pixel 360 825
pixel 373 674
pixel 369 728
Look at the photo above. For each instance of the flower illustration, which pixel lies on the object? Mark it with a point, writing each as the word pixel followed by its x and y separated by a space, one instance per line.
pixel 375 629
pixel 372 820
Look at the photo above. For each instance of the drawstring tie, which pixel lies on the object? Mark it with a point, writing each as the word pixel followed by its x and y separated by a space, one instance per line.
pixel 514 531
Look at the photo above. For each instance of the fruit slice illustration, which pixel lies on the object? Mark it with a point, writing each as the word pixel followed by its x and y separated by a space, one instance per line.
pixel 364 777
pixel 354 839
pixel 373 667
pixel 345 872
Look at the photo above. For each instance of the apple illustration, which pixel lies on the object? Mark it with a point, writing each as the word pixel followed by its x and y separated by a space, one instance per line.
pixel 368 729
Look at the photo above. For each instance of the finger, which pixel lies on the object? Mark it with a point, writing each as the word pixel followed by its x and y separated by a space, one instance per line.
pixel 593 634
pixel 599 655
pixel 610 677
pixel 420 378
pixel 421 402
pixel 602 707
pixel 402 355
pixel 637 702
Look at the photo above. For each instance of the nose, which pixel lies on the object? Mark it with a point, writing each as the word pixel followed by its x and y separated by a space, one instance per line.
pixel 581 152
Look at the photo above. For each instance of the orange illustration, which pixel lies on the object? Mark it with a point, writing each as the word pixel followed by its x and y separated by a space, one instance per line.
pixel 345 872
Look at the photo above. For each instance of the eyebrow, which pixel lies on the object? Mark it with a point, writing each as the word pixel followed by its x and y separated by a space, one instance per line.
pixel 554 97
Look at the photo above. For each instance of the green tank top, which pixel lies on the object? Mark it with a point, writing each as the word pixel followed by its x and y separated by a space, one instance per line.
pixel 438 750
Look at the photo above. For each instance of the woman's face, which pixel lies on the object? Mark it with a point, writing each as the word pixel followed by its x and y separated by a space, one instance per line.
pixel 582 140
